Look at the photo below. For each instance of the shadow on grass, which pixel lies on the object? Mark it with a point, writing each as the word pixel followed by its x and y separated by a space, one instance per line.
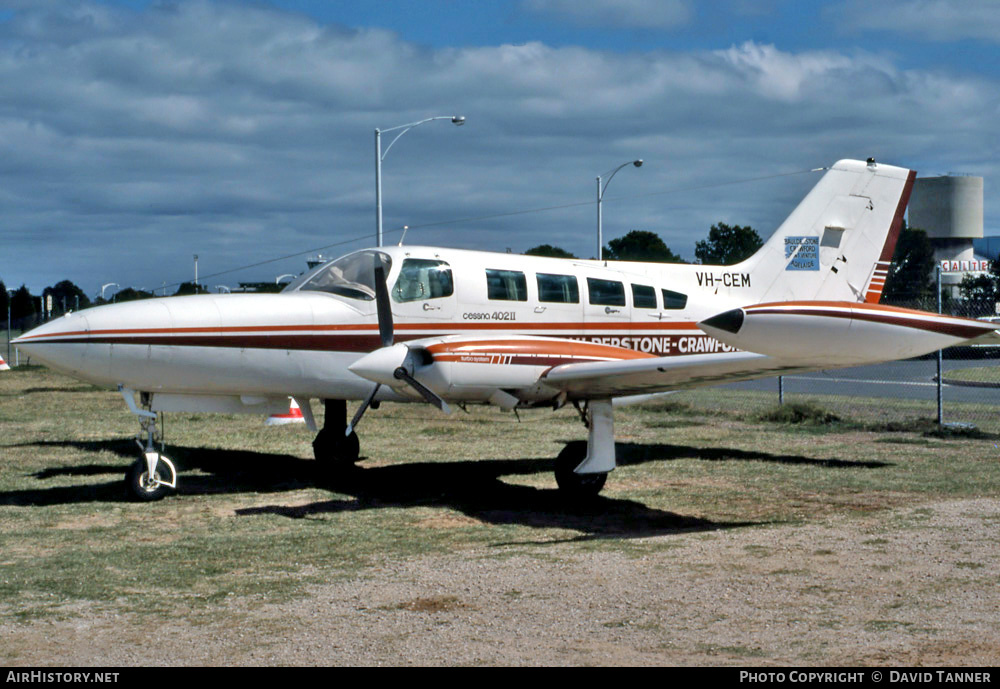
pixel 473 487
pixel 634 453
pixel 63 388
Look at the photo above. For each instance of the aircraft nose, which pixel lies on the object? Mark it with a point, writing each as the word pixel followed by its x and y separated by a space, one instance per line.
pixel 62 329
pixel 58 343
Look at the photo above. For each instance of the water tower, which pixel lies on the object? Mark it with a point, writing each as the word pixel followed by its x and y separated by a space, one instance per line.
pixel 950 209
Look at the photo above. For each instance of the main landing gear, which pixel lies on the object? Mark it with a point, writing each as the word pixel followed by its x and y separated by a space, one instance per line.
pixel 152 476
pixel 582 467
pixel 333 447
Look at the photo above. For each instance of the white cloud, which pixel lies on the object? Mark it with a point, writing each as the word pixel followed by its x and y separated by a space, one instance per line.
pixel 652 14
pixel 937 20
pixel 243 133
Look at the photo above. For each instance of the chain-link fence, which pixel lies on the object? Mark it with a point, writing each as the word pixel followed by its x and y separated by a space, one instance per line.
pixel 967 394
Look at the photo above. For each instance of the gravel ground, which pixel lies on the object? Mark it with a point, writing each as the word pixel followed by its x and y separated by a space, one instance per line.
pixel 915 586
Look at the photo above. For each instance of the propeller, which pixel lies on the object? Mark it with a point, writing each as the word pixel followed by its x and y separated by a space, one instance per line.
pixel 385 331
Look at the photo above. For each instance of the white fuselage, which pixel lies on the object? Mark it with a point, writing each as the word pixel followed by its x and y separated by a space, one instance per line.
pixel 301 343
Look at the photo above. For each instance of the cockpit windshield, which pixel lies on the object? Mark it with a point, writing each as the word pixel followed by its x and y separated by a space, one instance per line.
pixel 352 276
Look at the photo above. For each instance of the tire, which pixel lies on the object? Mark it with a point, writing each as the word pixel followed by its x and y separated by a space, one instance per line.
pixel 573 485
pixel 336 451
pixel 139 488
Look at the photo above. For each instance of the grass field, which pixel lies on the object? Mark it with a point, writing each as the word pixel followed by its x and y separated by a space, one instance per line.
pixel 252 522
pixel 989 375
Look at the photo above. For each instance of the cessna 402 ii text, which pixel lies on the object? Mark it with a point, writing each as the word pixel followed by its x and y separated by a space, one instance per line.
pixel 448 327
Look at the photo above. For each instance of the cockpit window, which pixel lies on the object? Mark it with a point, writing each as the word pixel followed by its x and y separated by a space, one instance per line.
pixel 423 278
pixel 352 276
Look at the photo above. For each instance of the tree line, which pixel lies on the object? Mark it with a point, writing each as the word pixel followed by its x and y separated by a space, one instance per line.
pixel 911 281
pixel 725 245
pixel 27 309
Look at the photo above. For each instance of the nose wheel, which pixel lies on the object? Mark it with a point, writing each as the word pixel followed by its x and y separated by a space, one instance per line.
pixel 147 485
pixel 152 476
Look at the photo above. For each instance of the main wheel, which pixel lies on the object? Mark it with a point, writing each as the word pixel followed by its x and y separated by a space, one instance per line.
pixel 574 485
pixel 335 450
pixel 139 485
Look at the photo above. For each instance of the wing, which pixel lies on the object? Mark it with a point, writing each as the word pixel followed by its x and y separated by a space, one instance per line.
pixel 509 370
pixel 660 374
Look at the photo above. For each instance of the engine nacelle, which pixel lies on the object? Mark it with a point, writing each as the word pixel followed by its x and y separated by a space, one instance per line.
pixel 473 369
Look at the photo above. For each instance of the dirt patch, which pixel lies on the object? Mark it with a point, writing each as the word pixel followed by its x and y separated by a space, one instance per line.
pixel 912 586
pixel 450 521
pixel 434 604
pixel 86 522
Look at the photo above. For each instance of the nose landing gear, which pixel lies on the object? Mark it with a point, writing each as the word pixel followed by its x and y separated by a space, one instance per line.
pixel 152 476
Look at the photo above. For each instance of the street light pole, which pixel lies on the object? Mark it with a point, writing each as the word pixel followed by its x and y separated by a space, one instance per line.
pixel 600 199
pixel 457 120
pixel 10 296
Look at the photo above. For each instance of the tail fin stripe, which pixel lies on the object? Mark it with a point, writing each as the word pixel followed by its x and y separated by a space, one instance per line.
pixel 874 292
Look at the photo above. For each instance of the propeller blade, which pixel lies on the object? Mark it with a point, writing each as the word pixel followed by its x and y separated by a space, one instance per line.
pixel 428 394
pixel 361 411
pixel 382 304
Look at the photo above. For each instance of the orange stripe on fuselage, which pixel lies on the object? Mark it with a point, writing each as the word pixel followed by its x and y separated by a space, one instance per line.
pixel 567 348
pixel 412 326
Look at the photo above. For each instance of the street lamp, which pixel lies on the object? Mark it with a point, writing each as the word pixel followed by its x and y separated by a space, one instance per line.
pixel 600 198
pixel 10 298
pixel 456 120
pixel 104 287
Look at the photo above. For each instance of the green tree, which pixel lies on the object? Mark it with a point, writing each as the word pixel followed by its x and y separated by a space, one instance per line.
pixel 266 287
pixel 190 288
pixel 640 245
pixel 4 300
pixel 22 304
pixel 132 294
pixel 65 295
pixel 727 245
pixel 912 268
pixel 549 251
pixel 980 293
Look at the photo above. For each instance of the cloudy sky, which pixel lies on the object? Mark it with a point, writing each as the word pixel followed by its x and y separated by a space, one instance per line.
pixel 134 134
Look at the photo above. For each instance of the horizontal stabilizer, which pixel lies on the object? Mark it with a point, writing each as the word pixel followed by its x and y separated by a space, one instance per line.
pixel 840 333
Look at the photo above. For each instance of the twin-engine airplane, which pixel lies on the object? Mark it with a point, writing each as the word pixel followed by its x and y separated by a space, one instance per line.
pixel 448 327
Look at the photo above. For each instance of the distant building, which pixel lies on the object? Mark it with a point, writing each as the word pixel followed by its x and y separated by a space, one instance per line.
pixel 950 209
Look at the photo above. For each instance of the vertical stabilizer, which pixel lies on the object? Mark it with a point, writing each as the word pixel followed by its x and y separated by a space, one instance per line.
pixel 837 244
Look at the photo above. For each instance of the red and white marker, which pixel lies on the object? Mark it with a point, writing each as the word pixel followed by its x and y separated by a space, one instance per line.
pixel 294 415
pixel 3 365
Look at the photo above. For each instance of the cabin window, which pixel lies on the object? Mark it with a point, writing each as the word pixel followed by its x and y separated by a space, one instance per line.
pixel 506 285
pixel 422 278
pixel 606 292
pixel 559 289
pixel 674 300
pixel 643 297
